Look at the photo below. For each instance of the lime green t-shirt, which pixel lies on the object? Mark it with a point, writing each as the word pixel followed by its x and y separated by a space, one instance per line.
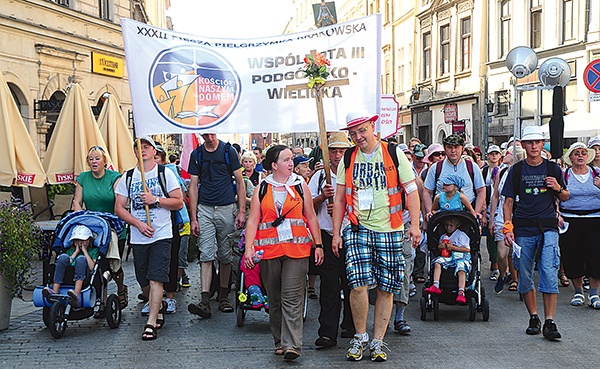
pixel 369 174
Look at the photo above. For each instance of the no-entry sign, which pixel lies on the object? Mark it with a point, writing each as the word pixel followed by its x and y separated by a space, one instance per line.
pixel 591 76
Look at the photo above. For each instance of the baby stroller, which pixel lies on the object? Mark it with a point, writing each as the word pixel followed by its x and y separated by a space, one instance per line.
pixel 243 301
pixel 474 291
pixel 58 308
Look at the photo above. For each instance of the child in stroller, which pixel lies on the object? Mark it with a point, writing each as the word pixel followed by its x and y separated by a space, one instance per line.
pixel 82 255
pixel 455 254
pixel 85 243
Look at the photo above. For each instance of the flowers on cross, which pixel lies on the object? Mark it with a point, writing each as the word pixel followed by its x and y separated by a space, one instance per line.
pixel 316 69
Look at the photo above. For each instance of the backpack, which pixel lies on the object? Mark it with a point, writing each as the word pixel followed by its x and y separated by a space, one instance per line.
pixel 468 163
pixel 393 153
pixel 594 174
pixel 226 162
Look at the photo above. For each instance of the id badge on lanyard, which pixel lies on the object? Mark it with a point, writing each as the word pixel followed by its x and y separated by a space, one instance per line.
pixel 365 199
pixel 284 231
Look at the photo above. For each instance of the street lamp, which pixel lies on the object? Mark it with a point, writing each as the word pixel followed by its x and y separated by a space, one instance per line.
pixel 264 135
pixel 521 62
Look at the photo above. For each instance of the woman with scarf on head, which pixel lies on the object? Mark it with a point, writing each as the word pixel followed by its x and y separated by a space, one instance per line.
pixel 281 215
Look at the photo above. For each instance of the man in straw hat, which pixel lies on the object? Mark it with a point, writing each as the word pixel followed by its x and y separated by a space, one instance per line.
pixel 332 271
pixel 530 224
pixel 370 191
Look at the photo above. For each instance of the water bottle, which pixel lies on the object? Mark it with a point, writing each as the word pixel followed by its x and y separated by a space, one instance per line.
pixel 258 255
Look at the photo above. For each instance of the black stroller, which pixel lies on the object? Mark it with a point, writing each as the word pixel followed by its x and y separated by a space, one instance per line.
pixel 474 291
pixel 58 308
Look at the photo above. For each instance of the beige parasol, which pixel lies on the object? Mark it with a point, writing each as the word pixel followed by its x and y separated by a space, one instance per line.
pixel 116 135
pixel 22 166
pixel 75 132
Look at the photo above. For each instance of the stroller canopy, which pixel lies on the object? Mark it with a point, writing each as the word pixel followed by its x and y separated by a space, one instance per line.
pixel 98 222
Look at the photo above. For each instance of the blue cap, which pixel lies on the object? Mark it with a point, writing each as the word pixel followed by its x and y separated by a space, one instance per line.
pixel 301 159
pixel 454 179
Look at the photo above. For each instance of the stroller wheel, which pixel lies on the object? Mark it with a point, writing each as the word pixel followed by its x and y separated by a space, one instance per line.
pixel 436 309
pixel 486 309
pixel 472 308
pixel 46 316
pixel 241 314
pixel 57 320
pixel 113 311
pixel 423 308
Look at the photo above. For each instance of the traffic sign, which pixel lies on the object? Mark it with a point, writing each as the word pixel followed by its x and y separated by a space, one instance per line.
pixel 591 76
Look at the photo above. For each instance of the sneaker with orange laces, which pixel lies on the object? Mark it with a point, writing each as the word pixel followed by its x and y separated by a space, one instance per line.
pixel 461 299
pixel 433 289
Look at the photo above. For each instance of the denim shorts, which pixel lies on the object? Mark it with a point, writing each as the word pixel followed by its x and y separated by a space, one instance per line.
pixel 374 258
pixel 547 265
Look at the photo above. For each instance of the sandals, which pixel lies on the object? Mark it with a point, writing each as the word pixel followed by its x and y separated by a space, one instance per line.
pixel 594 301
pixel 420 280
pixel 564 281
pixel 513 286
pixel 149 333
pixel 290 355
pixel 278 350
pixel 225 305
pixel 578 299
pixel 124 297
pixel 160 320
pixel 312 294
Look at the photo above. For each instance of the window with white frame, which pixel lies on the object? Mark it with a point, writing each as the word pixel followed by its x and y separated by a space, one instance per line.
pixel 567 20
pixel 465 44
pixel 504 27
pixel 427 55
pixel 536 24
pixel 105 9
pixel 444 49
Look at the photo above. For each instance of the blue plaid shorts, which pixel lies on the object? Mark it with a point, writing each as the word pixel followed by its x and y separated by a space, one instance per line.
pixel 374 258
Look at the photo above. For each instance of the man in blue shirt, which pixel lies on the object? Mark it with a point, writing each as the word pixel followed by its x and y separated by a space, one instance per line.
pixel 212 214
pixel 533 227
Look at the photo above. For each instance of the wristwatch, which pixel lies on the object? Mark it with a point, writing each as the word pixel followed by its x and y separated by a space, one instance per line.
pixel 157 201
pixel 561 189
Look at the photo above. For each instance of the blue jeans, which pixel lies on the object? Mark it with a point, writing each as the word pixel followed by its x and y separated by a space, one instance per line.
pixel 63 261
pixel 547 265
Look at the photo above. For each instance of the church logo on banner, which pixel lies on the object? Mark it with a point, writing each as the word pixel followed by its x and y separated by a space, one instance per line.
pixel 193 86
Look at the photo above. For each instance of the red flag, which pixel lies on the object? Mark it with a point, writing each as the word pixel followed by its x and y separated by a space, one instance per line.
pixel 190 142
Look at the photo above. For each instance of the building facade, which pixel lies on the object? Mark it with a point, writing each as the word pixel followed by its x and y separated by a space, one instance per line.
pixel 47 44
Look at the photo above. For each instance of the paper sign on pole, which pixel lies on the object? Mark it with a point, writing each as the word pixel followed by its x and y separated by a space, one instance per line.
pixel 388 116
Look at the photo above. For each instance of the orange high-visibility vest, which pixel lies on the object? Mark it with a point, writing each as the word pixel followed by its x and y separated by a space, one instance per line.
pixel 267 238
pixel 394 190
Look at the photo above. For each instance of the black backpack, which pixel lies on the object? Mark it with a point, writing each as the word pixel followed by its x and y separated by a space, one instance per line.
pixel 227 162
pixel 393 153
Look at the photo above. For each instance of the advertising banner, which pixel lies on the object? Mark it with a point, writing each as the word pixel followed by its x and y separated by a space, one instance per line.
pixel 192 84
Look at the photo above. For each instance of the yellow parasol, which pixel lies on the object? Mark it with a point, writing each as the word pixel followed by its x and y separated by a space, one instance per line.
pixel 20 167
pixel 75 132
pixel 116 135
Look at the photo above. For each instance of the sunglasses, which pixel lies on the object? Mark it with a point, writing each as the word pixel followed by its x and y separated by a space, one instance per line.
pixel 438 154
pixel 94 148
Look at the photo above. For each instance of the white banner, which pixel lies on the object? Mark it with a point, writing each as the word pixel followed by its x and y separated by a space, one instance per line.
pixel 388 116
pixel 185 84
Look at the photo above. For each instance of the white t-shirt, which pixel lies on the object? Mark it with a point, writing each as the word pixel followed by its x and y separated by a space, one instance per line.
pixel 160 218
pixel 458 238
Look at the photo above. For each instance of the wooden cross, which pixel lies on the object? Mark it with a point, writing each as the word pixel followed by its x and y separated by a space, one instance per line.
pixel 320 115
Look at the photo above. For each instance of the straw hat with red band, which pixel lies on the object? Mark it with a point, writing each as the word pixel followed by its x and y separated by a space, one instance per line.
pixel 356 118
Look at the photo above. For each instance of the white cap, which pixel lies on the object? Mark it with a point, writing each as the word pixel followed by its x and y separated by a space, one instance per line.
pixel 81 232
pixel 494 148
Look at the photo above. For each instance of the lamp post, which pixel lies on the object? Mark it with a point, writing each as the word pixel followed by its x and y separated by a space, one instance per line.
pixel 521 62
